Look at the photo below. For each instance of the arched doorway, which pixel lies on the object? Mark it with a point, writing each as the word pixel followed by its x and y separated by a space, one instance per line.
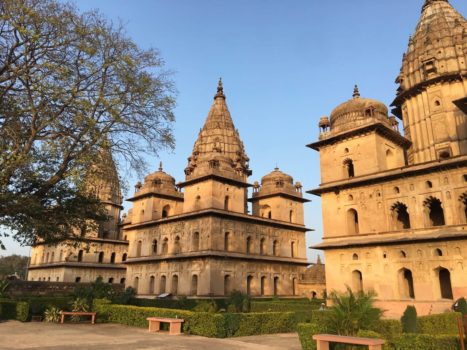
pixel 406 287
pixel 352 222
pixel 401 217
pixel 175 284
pixel 152 281
pixel 249 282
pixel 276 286
pixel 194 285
pixel 263 284
pixel 357 281
pixel 445 286
pixel 162 284
pixel 227 285
pixel 435 211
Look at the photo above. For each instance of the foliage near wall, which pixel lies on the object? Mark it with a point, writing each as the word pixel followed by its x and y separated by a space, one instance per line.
pixel 216 325
pixel 14 310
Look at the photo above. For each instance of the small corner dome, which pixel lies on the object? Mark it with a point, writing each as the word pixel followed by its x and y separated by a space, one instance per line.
pixel 160 175
pixel 324 122
pixel 357 111
pixel 276 175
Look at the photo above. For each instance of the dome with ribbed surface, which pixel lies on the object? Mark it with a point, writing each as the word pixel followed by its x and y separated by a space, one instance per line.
pixel 437 48
pixel 218 148
pixel 357 112
pixel 276 176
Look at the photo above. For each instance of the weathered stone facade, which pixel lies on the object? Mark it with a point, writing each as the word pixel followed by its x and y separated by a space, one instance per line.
pixel 201 242
pixel 102 254
pixel 395 207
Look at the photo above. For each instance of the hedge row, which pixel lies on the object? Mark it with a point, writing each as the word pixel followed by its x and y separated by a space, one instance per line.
pixel 37 305
pixel 285 305
pixel 14 310
pixel 214 325
pixel 437 332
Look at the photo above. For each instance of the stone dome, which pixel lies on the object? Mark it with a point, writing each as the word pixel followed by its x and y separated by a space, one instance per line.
pixel 275 176
pixel 356 112
pixel 160 177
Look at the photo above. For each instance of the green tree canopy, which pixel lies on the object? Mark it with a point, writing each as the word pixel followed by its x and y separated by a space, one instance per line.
pixel 70 83
pixel 13 264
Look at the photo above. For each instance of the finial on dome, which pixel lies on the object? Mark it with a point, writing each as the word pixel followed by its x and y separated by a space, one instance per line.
pixel 160 166
pixel 276 168
pixel 220 90
pixel 356 93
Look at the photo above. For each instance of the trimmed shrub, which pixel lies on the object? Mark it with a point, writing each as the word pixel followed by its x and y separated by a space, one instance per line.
pixel 306 332
pixel 461 306
pixel 374 335
pixel 427 342
pixel 439 324
pixel 285 305
pixel 263 323
pixel 22 311
pixel 206 306
pixel 390 330
pixel 409 320
pixel 7 309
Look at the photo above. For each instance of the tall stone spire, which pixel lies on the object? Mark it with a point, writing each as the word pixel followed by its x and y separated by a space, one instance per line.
pixel 218 148
pixel 431 84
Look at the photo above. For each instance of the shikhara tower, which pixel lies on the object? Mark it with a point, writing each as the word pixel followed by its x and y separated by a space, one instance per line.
pixel 202 241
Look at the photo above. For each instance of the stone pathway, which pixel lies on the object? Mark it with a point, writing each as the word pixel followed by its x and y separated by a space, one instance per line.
pixel 47 336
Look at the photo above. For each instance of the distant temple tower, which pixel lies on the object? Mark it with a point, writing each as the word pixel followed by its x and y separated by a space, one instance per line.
pixel 104 250
pixel 395 207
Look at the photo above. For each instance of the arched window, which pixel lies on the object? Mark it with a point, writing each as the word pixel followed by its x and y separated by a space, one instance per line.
pixel 276 286
pixel 47 258
pixel 165 246
pixel 294 286
pixel 136 284
pixel 77 279
pixel 152 281
pixel 263 283
pixel 402 254
pixel 162 285
pixel 355 257
pixel 60 257
pixel 249 282
pixel 195 241
pixel 139 246
pixel 52 257
pixel 352 222
pixel 349 168
pixel 292 249
pixel 227 285
pixel 122 280
pixel 266 211
pixel 390 159
pixel 101 257
pixel 194 285
pixel 438 252
pixel 226 203
pixel 249 245
pixel 275 248
pixel 357 281
pixel 269 214
pixel 428 184
pixel 154 247
pixel 177 247
pixel 124 257
pixel 166 211
pixel 262 246
pixel 445 283
pixel 463 200
pixel 435 211
pixel 175 285
pixel 227 241
pixel 112 258
pixel 291 218
pixel 400 215
pixel 406 284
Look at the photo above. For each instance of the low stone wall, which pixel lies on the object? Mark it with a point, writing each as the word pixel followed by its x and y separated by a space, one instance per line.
pixel 19 288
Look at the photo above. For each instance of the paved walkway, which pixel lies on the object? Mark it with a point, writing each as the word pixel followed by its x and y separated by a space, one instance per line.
pixel 68 336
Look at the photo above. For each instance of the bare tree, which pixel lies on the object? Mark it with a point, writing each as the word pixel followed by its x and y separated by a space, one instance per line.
pixel 69 83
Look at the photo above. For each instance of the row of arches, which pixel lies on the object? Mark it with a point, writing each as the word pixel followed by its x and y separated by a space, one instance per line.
pixel 437 252
pixel 400 216
pixel 264 247
pixel 406 282
pixel 101 255
pixel 162 285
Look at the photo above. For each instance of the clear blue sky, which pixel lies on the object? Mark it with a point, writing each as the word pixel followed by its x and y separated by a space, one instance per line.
pixel 284 64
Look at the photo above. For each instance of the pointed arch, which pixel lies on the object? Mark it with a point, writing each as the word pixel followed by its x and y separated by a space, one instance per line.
pixel 166 211
pixel 357 281
pixel 406 285
pixel 435 211
pixel 195 242
pixel 400 216
pixel 352 222
pixel 349 168
pixel 445 286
